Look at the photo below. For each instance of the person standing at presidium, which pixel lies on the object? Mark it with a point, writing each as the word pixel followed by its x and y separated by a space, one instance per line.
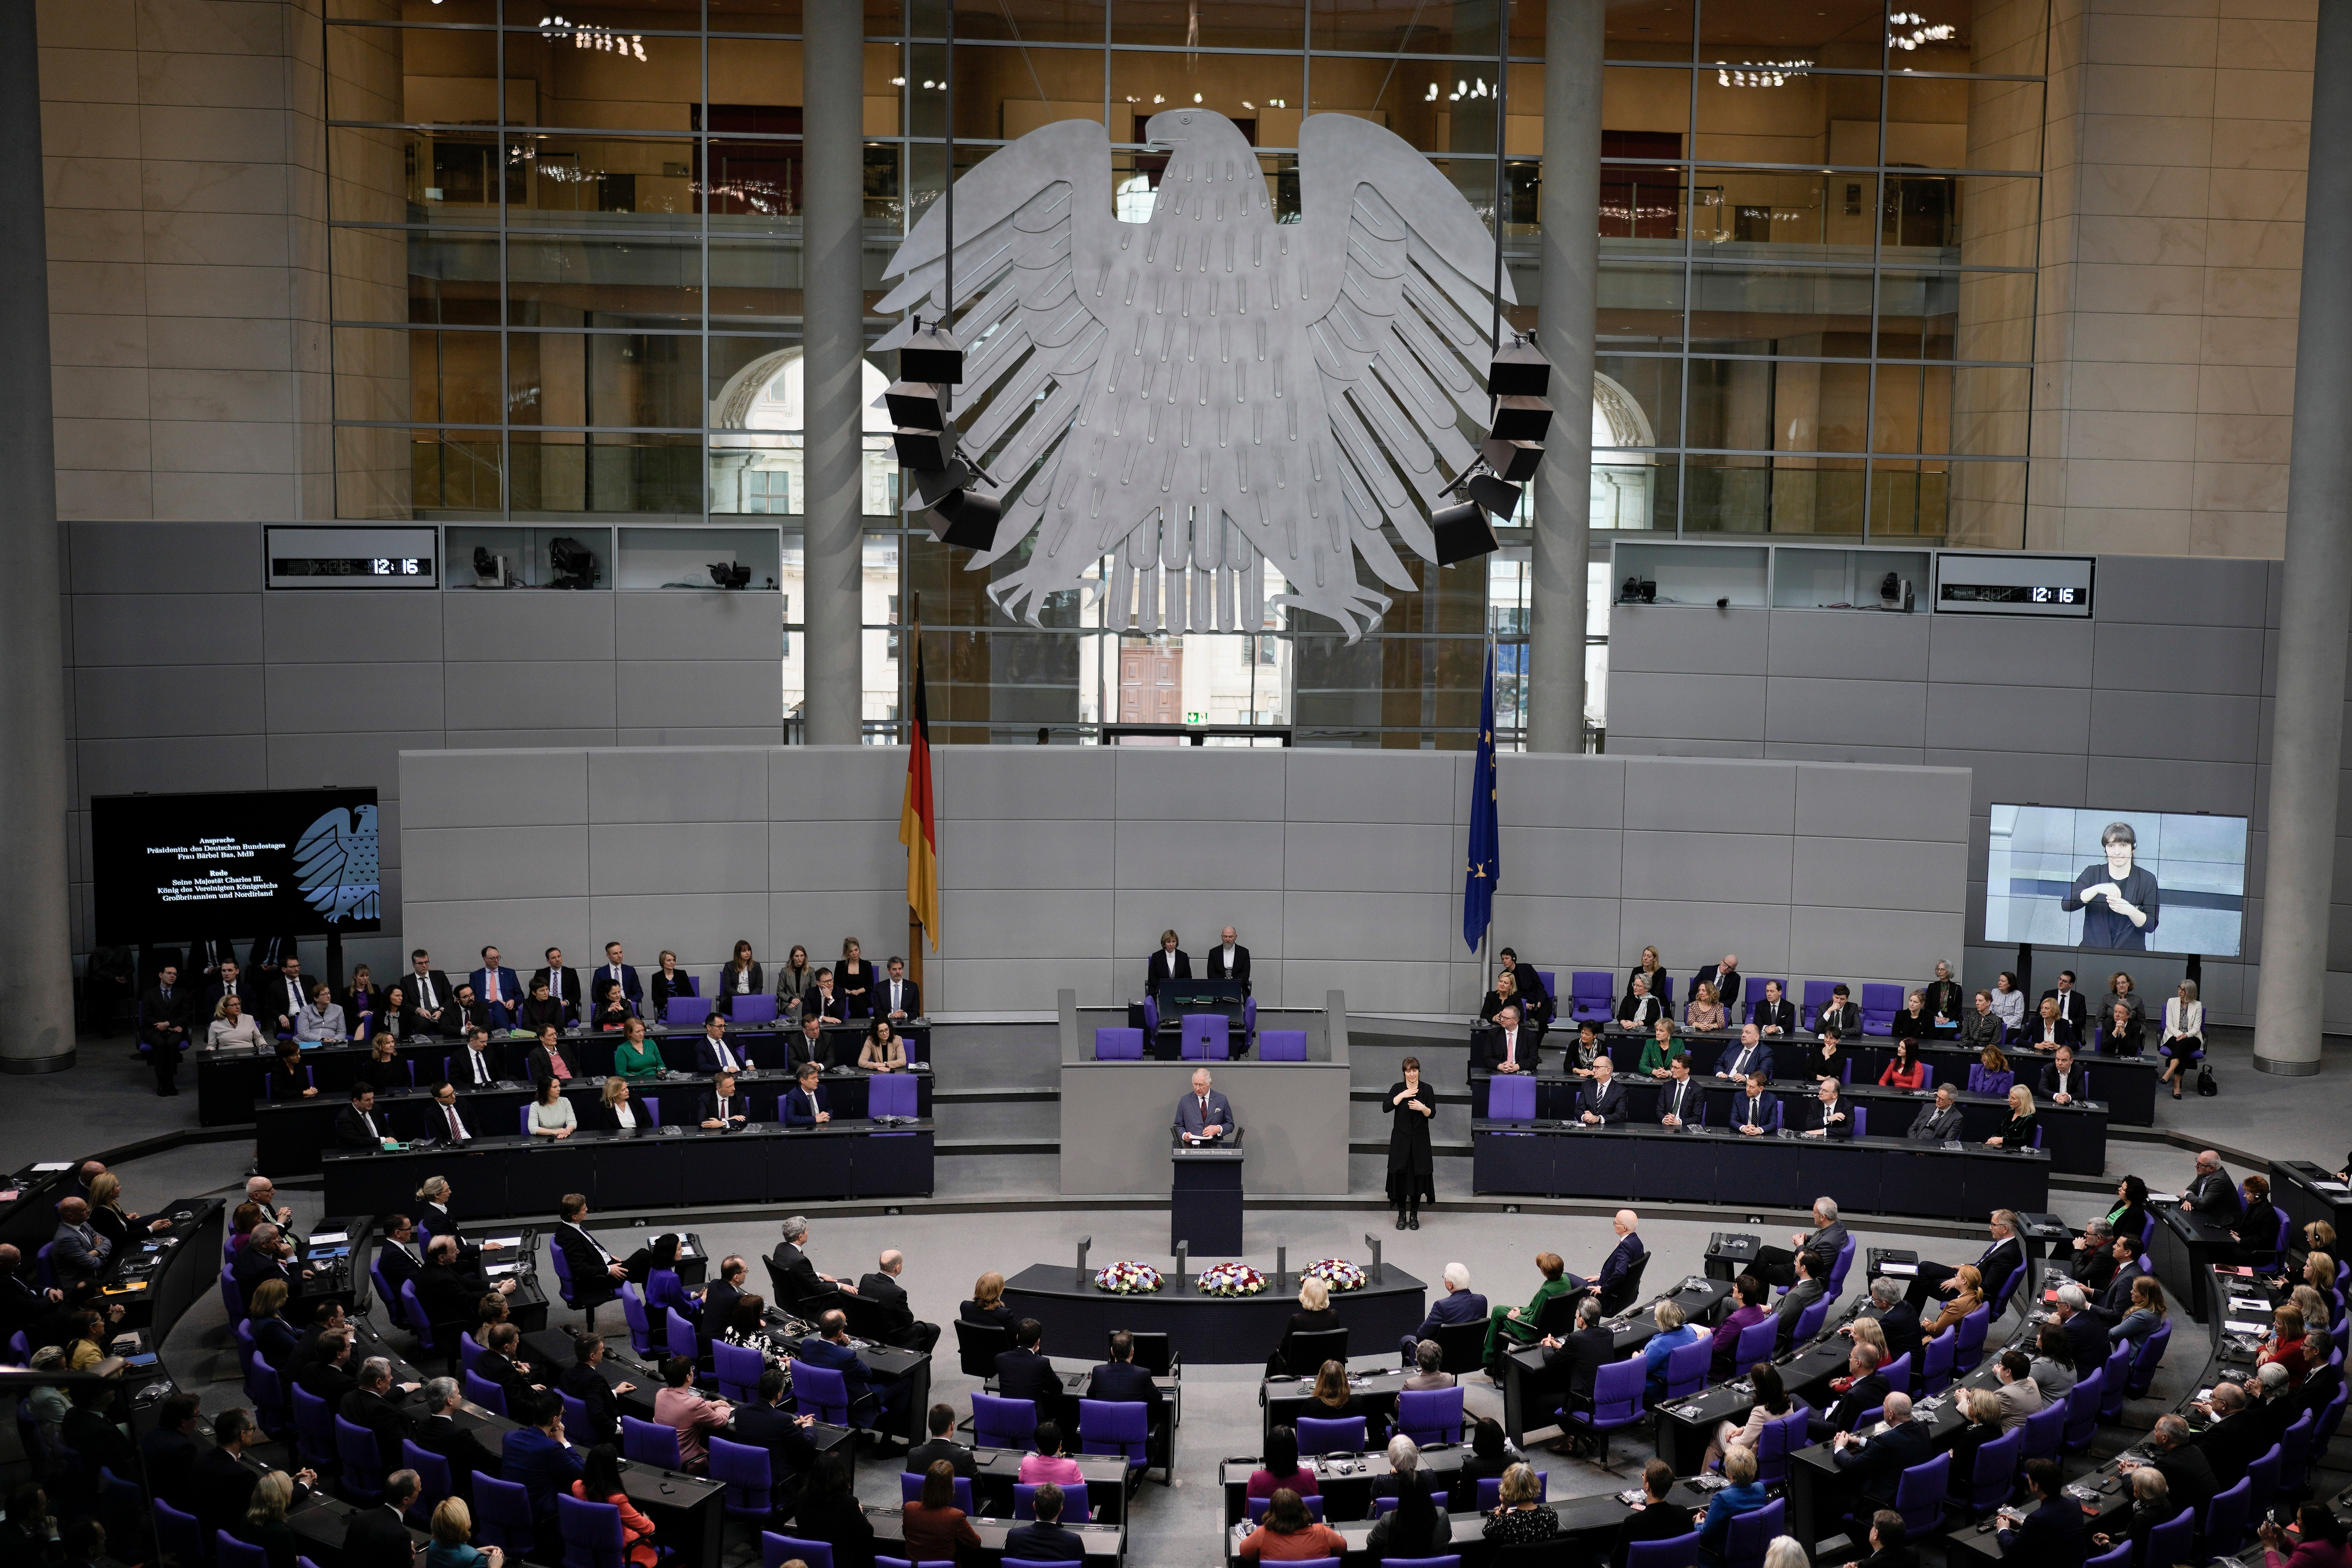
pixel 2118 899
pixel 1411 1103
pixel 1171 963
pixel 1204 1116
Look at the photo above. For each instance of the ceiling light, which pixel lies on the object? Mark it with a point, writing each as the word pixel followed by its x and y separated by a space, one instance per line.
pixel 895 82
pixel 1196 98
pixel 1762 73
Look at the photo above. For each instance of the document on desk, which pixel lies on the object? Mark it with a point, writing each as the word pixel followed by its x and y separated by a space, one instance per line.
pixel 329 1237
pixel 2239 1326
pixel 517 1241
pixel 2331 1188
pixel 1900 1271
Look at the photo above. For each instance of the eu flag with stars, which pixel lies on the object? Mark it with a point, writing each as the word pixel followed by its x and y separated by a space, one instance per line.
pixel 1485 857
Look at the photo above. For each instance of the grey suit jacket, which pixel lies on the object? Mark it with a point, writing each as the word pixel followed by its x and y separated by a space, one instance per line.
pixel 1934 1126
pixel 1221 1114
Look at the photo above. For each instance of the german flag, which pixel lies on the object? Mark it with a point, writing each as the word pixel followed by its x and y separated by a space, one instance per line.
pixel 919 827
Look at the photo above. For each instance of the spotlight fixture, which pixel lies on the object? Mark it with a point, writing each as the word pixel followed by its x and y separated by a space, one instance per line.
pixel 572 564
pixel 1517 379
pixel 937 479
pixel 730 573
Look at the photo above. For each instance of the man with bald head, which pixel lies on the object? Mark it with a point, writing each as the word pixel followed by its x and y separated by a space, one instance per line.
pixel 1621 1257
pixel 902 1328
pixel 22 1304
pixel 77 1251
pixel 2212 1194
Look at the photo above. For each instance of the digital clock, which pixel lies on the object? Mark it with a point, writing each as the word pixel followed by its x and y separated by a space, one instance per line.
pixel 363 557
pixel 1967 584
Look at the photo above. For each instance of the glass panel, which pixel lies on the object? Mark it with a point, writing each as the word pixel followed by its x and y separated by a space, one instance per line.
pixel 1406 27
pixel 508 557
pixel 418 11
pixel 574 72
pixel 452 378
pixel 1999 221
pixel 372 477
pixel 1987 506
pixel 604 378
pixel 1787 405
pixel 1911 408
pixel 1008 91
pixel 566 471
pixel 696 557
pixel 753 281
pixel 1638 305
pixel 1638 402
pixel 412 75
pixel 1644 205
pixel 1626 488
pixel 376 175
pixel 623 15
pixel 371 374
pixel 1641 29
pixel 1210 24
pixel 1988 411
pixel 1790 215
pixel 1775 494
pixel 453 276
pixel 1786 114
pixel 1032 21
pixel 601 182
pixel 1845 33
pixel 753 16
pixel 1259 93
pixel 567 281
pixel 1918 312
pixel 1909 499
pixel 1782 310
pixel 1996 315
pixel 455 471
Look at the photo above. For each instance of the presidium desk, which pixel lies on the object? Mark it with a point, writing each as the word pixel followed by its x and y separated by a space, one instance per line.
pixel 666 1167
pixel 1865 1176
pixel 1212 1331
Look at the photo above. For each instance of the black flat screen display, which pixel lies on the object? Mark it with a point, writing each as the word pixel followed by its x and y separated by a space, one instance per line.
pixel 293 862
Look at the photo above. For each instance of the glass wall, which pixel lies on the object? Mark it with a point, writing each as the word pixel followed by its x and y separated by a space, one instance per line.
pixel 566 290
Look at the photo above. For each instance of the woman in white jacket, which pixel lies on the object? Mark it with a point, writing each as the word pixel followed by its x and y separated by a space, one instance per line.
pixel 2184 1035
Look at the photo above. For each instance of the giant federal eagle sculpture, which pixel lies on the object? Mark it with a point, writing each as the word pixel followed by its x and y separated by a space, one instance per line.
pixel 1211 390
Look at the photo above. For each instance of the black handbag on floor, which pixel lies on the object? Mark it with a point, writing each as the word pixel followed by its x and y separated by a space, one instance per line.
pixel 2205 1084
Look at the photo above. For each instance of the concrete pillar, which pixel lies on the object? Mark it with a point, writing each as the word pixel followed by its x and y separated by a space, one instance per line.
pixel 37 1017
pixel 832 331
pixel 1571 267
pixel 2315 611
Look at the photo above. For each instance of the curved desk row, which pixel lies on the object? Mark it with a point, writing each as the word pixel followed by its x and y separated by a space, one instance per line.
pixel 1529 1397
pixel 2074 1134
pixel 1866 1175
pixel 2126 1084
pixel 291 1136
pixel 229 1080
pixel 1212 1331
pixel 671 1168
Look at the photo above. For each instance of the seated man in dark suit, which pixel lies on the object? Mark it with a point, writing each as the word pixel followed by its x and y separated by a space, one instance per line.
pixel 900 1327
pixel 1023 1372
pixel 724 1109
pixel 1778 1266
pixel 1651 1519
pixel 1047 1540
pixel 1866 1389
pixel 1752 1108
pixel 1897 1319
pixel 540 1458
pixel 170 1452
pixel 2188 1476
pixel 718 1298
pixel 799 1278
pixel 830 1347
pixel 398 1254
pixel 1876 1462
pixel 328 1375
pixel 822 1002
pixel 1602 1101
pixel 359 1125
pixel 942 1446
pixel 2112 1303
pixel 224 1482
pixel 449 1292
pixel 1460 1304
pixel 1570 1364
pixel 2086 1334
pixel 2053 1535
pixel 763 1423
pixel 715 1053
pixel 1749 1058
pixel 1832 1117
pixel 1774 1013
pixel 585 1379
pixel 804 1103
pixel 1509 1045
pixel 376 1536
pixel 370 1404
pixel 438 1433
pixel 2003 1258
pixel 1120 1381
pixel 518 1379
pixel 1621 1257
pixel 1938 1121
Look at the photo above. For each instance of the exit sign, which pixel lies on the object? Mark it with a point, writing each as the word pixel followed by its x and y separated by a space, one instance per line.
pixel 1191 718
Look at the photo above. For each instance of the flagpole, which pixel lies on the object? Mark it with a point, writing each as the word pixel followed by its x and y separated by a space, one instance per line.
pixel 911 659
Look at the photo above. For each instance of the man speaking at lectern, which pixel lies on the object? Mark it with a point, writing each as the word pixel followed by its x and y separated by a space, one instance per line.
pixel 1204 1116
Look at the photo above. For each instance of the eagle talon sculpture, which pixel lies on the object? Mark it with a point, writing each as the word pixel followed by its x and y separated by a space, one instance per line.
pixel 1211 390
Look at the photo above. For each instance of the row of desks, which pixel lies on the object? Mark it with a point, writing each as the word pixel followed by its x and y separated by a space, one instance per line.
pixel 670 1167
pixel 228 1080
pixel 2126 1084
pixel 1529 1401
pixel 1868 1175
pixel 2075 1135
pixel 291 1137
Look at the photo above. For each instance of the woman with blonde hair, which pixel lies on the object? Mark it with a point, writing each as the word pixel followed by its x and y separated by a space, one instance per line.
pixel 1705 1010
pixel 2147 1310
pixel 2017 1132
pixel 230 1026
pixel 1965 1299
pixel 453 1532
pixel 265 1525
pixel 987 1304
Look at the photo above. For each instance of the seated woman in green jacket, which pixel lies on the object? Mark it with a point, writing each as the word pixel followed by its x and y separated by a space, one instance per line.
pixel 1510 1326
pixel 634 1056
pixel 2017 1132
pixel 1660 1054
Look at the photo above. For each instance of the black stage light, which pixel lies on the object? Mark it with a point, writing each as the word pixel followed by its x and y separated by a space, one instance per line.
pixel 1462 532
pixel 729 573
pixel 573 564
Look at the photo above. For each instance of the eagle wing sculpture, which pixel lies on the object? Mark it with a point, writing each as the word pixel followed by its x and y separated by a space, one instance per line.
pixel 1211 390
pixel 336 865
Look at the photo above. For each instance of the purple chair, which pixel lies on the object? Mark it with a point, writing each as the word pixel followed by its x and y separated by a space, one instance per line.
pixel 2114 1378
pixel 314 1431
pixel 890 1094
pixel 1592 995
pixel 2262 1474
pixel 652 1442
pixel 502 1516
pixel 1919 1495
pixel 910 1488
pixel 1996 1471
pixel 1282 1046
pixel 1679 1552
pixel 1809 1321
pixel 575 1413
pixel 775 1549
pixel 1936 1362
pixel 684 1012
pixel 1754 1344
pixel 997 1422
pixel 1344 1435
pixel 1616 1402
pixel 738 1368
pixel 1207 1038
pixel 2043 1432
pixel 679 1335
pixel 486 1394
pixel 1753 989
pixel 178 1534
pixel 2169 1541
pixel 1511 1098
pixel 2295 1454
pixel 2150 1357
pixel 1862 1122
pixel 1429 1415
pixel 1489 1492
pixel 590 1533
pixel 1117 1426
pixel 1074 1507
pixel 641 1330
pixel 1777 1439
pixel 1119 1045
pixel 1751 1532
pixel 236 1553
pixel 433 1480
pixel 2118 1558
pixel 1879 1005
pixel 749 1009
pixel 1967 1348
pixel 269 1399
pixel 471 1349
pixel 1151 1015
pixel 1686 1369
pixel 361 1460
pixel 2225 1518
pixel 1819 993
pixel 1249 1021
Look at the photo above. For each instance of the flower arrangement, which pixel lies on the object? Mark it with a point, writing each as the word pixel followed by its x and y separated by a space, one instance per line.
pixel 1128 1279
pixel 1336 1273
pixel 1231 1279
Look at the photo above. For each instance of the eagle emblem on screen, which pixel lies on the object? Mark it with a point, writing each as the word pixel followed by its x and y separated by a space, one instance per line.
pixel 335 864
pixel 1215 386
